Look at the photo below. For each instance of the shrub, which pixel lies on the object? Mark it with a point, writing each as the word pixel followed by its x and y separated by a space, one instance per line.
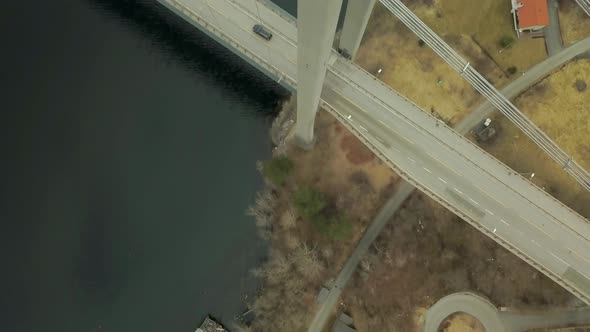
pixel 334 227
pixel 512 70
pixel 278 169
pixel 506 40
pixel 421 42
pixel 309 202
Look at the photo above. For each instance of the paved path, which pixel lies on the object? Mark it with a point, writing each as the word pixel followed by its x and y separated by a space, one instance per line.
pixel 552 33
pixel 493 320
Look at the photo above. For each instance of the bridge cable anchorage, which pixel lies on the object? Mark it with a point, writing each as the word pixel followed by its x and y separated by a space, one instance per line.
pixel 486 89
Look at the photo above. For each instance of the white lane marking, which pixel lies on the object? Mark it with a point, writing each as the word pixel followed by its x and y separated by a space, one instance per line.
pixel 471 199
pixel 394 149
pixel 492 197
pixel 575 253
pixel 504 221
pixel 442 180
pixel 459 191
pixel 564 262
pixel 408 140
pixel 490 212
pixel 494 230
pixel 412 160
pixel 537 227
pixel 536 243
pixel 427 170
pixel 385 124
pixel 379 139
pixel 363 128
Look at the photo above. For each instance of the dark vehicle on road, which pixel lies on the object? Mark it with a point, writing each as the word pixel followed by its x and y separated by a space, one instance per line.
pixel 262 31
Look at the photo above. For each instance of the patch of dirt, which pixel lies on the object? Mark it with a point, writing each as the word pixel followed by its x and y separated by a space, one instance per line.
pixel 461 323
pixel 356 152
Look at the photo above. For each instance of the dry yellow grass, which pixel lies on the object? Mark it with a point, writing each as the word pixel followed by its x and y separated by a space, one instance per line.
pixel 415 71
pixel 558 108
pixel 486 21
pixel 575 24
pixel 463 323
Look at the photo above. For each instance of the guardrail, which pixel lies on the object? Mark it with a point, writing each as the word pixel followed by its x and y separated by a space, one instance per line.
pixel 489 91
pixel 232 42
pixel 585 4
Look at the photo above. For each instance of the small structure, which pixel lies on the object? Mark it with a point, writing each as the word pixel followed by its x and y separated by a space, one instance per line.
pixel 343 324
pixel 529 15
pixel 209 325
pixel 485 130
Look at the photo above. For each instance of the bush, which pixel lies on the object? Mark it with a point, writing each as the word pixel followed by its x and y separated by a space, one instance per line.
pixel 421 42
pixel 512 70
pixel 334 227
pixel 309 202
pixel 278 169
pixel 506 40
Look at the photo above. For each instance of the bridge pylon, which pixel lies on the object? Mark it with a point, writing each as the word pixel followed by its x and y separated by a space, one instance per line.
pixel 316 27
pixel 355 22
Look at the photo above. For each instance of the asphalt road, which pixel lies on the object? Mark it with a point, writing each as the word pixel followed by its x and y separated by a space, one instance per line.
pixel 428 154
pixel 552 33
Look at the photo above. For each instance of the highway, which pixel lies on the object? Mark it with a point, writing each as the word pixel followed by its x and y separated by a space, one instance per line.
pixel 427 153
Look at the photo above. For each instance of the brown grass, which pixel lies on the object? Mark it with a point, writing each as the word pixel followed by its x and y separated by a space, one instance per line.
pixel 559 109
pixel 575 24
pixel 425 253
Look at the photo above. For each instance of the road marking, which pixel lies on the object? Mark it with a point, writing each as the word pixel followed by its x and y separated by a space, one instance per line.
pixel 379 139
pixel 504 221
pixel 459 191
pixel 385 124
pixel 471 199
pixel 575 253
pixel 427 170
pixel 492 197
pixel 536 243
pixel 443 181
pixel 490 212
pixel 412 160
pixel 564 262
pixel 363 128
pixel 395 149
pixel 408 140
pixel 537 227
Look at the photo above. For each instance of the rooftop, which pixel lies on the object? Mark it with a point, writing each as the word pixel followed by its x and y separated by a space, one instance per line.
pixel 532 13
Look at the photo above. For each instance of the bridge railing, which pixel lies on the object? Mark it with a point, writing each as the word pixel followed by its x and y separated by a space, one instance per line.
pixel 489 91
pixel 233 42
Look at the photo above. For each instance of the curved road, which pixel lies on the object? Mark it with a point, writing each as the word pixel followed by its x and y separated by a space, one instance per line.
pixel 469 303
pixel 499 321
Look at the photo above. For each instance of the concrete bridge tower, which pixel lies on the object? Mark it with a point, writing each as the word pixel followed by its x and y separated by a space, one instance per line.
pixel 316 26
pixel 355 22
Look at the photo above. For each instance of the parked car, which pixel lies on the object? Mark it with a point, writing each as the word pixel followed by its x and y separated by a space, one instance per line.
pixel 262 31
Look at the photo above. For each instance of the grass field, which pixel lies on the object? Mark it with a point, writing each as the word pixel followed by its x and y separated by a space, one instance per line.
pixel 486 21
pixel 575 24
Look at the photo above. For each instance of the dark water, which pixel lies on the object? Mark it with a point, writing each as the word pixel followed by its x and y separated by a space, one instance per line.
pixel 128 145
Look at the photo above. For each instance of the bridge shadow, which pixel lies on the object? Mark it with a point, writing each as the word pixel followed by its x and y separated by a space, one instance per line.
pixel 182 43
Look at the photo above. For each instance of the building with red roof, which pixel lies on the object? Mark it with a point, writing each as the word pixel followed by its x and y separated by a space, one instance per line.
pixel 530 15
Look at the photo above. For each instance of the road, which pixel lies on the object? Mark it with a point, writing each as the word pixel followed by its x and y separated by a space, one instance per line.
pixel 552 33
pixel 425 152
pixel 500 321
